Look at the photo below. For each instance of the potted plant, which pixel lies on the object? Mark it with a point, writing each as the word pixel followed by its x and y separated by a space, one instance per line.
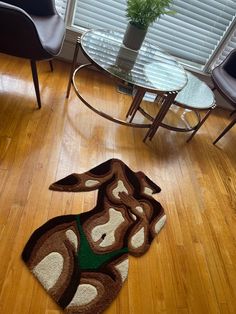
pixel 140 14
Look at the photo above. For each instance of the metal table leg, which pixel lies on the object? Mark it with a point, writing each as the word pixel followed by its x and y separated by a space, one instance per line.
pixel 135 103
pixel 73 67
pixel 160 116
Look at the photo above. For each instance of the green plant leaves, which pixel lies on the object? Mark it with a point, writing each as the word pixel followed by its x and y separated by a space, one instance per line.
pixel 142 13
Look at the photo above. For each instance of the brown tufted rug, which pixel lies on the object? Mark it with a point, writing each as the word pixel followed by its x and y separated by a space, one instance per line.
pixel 82 260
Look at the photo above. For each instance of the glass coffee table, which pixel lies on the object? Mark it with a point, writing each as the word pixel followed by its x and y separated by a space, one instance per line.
pixel 150 69
pixel 194 98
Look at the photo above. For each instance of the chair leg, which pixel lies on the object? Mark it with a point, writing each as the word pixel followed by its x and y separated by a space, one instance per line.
pixel 232 112
pixel 225 131
pixel 51 65
pixel 200 124
pixel 36 82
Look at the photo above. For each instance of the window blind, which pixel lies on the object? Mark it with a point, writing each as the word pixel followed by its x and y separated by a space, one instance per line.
pixel 193 33
pixel 61 7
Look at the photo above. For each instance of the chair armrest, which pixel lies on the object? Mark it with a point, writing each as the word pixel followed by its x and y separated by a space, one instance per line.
pixel 36 7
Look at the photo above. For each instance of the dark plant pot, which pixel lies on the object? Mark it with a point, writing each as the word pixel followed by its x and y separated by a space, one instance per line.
pixel 126 58
pixel 134 37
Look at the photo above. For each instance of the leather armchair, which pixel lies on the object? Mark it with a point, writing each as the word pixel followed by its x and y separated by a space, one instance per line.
pixel 31 29
pixel 224 78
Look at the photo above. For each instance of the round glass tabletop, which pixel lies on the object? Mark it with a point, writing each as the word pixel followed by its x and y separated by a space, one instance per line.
pixel 196 94
pixel 150 67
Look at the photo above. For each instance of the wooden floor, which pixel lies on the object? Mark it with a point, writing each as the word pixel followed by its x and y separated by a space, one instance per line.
pixel 191 266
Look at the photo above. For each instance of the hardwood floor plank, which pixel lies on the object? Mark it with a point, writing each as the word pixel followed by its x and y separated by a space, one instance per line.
pixel 191 265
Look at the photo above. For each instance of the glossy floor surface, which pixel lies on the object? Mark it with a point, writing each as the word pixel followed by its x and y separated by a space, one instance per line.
pixel 190 267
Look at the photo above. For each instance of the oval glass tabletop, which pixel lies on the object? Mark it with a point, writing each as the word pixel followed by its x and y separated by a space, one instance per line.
pixel 150 67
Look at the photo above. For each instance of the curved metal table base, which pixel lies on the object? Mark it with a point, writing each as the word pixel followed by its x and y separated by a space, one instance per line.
pixel 166 103
pixel 167 99
pixel 171 127
pixel 101 113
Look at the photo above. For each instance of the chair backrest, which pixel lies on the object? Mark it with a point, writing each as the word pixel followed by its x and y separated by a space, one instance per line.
pixel 229 64
pixel 36 7
pixel 18 34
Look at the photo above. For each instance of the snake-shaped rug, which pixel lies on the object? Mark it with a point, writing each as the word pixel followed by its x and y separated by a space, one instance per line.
pixel 82 260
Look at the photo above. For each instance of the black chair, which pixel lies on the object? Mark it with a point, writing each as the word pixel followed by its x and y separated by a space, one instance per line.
pixel 31 29
pixel 224 78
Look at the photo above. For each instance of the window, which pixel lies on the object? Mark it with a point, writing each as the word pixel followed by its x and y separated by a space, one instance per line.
pixel 194 34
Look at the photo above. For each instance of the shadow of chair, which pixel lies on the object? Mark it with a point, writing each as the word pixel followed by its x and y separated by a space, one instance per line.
pixel 32 30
